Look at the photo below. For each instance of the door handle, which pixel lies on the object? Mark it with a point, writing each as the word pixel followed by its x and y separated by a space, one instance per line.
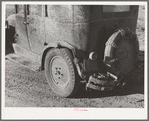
pixel 24 22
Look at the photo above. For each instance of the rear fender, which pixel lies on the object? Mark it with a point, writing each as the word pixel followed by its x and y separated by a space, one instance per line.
pixel 11 20
pixel 58 44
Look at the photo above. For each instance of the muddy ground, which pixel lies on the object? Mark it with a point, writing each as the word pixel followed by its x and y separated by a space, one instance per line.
pixel 26 88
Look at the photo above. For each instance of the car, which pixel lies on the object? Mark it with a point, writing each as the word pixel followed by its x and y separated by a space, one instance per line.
pixel 91 44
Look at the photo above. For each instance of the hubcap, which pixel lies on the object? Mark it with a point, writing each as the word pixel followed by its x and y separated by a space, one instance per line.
pixel 59 72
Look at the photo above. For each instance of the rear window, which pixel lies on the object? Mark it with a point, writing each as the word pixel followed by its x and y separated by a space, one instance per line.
pixel 116 8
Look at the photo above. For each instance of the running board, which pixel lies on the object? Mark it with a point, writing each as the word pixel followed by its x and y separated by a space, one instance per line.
pixel 35 66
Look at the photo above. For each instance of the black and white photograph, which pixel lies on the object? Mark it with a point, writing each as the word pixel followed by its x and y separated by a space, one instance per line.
pixel 74 60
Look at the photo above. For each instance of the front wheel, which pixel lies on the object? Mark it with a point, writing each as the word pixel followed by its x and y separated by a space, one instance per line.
pixel 60 72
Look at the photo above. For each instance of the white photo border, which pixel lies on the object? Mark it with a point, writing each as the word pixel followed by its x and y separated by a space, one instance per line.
pixel 69 113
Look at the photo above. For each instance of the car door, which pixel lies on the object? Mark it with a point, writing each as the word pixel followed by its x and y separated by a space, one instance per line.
pixel 35 27
pixel 21 27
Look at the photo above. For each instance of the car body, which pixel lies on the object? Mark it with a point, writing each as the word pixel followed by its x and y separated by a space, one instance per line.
pixel 82 29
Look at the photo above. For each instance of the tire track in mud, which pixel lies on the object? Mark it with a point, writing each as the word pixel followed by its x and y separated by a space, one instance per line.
pixel 34 91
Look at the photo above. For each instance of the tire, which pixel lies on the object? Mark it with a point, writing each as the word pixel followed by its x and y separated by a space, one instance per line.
pixel 121 52
pixel 60 72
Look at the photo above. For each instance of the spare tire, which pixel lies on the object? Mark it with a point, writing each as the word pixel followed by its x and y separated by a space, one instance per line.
pixel 121 52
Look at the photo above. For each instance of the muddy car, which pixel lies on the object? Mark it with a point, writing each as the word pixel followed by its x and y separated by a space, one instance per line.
pixel 91 44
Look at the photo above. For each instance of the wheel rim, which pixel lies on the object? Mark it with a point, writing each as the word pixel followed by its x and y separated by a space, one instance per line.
pixel 59 72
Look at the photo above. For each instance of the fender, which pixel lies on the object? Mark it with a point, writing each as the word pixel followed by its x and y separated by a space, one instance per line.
pixel 57 44
pixel 61 44
pixel 11 20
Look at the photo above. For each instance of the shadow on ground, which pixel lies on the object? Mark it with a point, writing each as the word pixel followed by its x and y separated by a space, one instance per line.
pixel 134 86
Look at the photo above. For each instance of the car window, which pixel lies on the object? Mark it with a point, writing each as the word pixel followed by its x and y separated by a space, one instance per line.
pixel 116 8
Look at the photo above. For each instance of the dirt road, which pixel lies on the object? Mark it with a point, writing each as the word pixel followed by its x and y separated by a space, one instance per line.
pixel 26 88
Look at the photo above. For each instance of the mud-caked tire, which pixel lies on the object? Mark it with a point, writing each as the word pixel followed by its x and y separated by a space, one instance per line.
pixel 60 72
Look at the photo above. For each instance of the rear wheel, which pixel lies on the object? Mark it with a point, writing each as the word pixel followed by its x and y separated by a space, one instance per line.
pixel 60 72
